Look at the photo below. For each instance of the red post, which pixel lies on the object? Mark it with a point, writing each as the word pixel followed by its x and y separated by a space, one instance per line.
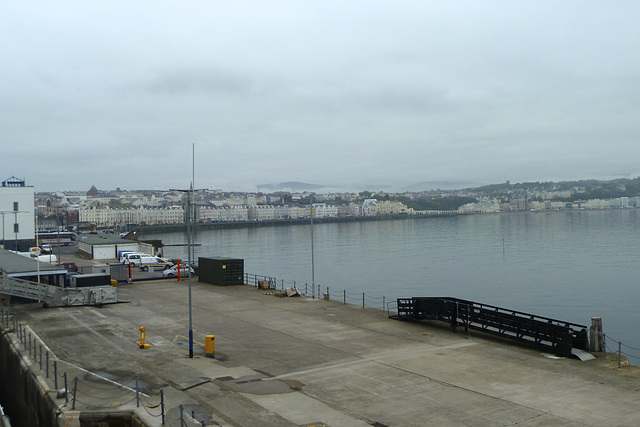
pixel 178 270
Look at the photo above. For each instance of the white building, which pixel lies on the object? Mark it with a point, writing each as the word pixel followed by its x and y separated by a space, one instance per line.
pixel 388 207
pixel 597 204
pixel 110 217
pixel 322 210
pixel 262 213
pixel 17 207
pixel 224 213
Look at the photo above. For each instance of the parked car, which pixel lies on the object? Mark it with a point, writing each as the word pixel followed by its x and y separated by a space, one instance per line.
pixel 173 271
pixel 46 249
pixel 70 266
pixel 154 261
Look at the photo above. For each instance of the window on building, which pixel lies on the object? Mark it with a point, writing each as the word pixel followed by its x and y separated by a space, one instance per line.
pixel 16 228
pixel 15 206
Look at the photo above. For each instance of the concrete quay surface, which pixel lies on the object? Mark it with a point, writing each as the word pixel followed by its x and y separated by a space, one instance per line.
pixel 306 362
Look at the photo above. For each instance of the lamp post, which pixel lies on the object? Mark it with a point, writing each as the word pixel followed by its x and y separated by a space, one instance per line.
pixel 3 213
pixel 58 228
pixel 38 246
pixel 313 267
pixel 188 212
pixel 189 271
pixel 38 241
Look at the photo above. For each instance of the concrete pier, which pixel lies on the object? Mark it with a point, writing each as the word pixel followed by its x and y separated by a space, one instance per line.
pixel 299 362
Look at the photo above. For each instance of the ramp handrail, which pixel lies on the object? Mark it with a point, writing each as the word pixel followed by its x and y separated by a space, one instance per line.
pixel 553 334
pixel 24 288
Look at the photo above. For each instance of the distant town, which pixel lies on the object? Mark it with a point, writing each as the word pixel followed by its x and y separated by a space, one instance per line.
pixel 25 210
pixel 123 209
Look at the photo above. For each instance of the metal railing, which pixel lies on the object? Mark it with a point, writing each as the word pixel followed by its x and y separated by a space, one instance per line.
pixel 98 393
pixel 25 289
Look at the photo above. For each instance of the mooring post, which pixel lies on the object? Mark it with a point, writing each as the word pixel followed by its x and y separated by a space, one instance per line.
pixel 41 356
pixel 66 389
pixel 363 300
pixel 55 374
pixel 47 362
pixel 595 335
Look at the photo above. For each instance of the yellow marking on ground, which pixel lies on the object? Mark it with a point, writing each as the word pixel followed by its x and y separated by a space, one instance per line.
pixel 187 339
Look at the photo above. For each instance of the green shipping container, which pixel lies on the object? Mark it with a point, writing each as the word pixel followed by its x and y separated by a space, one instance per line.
pixel 221 271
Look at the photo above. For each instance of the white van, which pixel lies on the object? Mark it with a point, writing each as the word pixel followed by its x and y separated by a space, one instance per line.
pixel 121 255
pixel 132 258
pixel 49 259
pixel 155 262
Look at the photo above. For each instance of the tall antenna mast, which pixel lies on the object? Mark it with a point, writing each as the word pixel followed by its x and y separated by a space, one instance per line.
pixel 193 164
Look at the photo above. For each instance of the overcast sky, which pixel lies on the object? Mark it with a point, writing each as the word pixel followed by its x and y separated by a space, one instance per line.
pixel 341 93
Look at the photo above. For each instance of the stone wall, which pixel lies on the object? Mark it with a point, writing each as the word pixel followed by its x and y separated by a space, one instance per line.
pixel 24 400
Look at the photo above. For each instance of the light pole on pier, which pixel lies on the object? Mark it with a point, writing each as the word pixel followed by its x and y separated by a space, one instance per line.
pixel 3 214
pixel 313 267
pixel 189 261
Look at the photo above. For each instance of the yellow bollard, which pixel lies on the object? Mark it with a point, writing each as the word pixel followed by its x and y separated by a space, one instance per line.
pixel 210 345
pixel 143 331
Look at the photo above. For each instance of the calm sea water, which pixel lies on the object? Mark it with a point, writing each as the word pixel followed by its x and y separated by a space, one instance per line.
pixel 569 266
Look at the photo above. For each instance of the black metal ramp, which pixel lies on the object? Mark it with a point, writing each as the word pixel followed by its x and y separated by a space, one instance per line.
pixel 553 335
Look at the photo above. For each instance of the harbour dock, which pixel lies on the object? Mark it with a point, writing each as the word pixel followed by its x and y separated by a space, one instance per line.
pixel 298 361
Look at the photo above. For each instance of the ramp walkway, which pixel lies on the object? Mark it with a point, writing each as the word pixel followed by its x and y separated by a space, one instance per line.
pixel 553 335
pixel 26 289
pixel 55 296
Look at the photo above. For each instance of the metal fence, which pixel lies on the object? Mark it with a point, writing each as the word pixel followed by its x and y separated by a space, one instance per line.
pixel 322 292
pixel 619 351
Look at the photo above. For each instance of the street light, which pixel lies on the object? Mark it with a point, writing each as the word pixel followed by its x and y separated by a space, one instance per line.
pixel 3 213
pixel 38 244
pixel 189 191
pixel 313 267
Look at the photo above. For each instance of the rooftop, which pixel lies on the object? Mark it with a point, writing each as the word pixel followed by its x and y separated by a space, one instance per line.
pixel 15 265
pixel 103 239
